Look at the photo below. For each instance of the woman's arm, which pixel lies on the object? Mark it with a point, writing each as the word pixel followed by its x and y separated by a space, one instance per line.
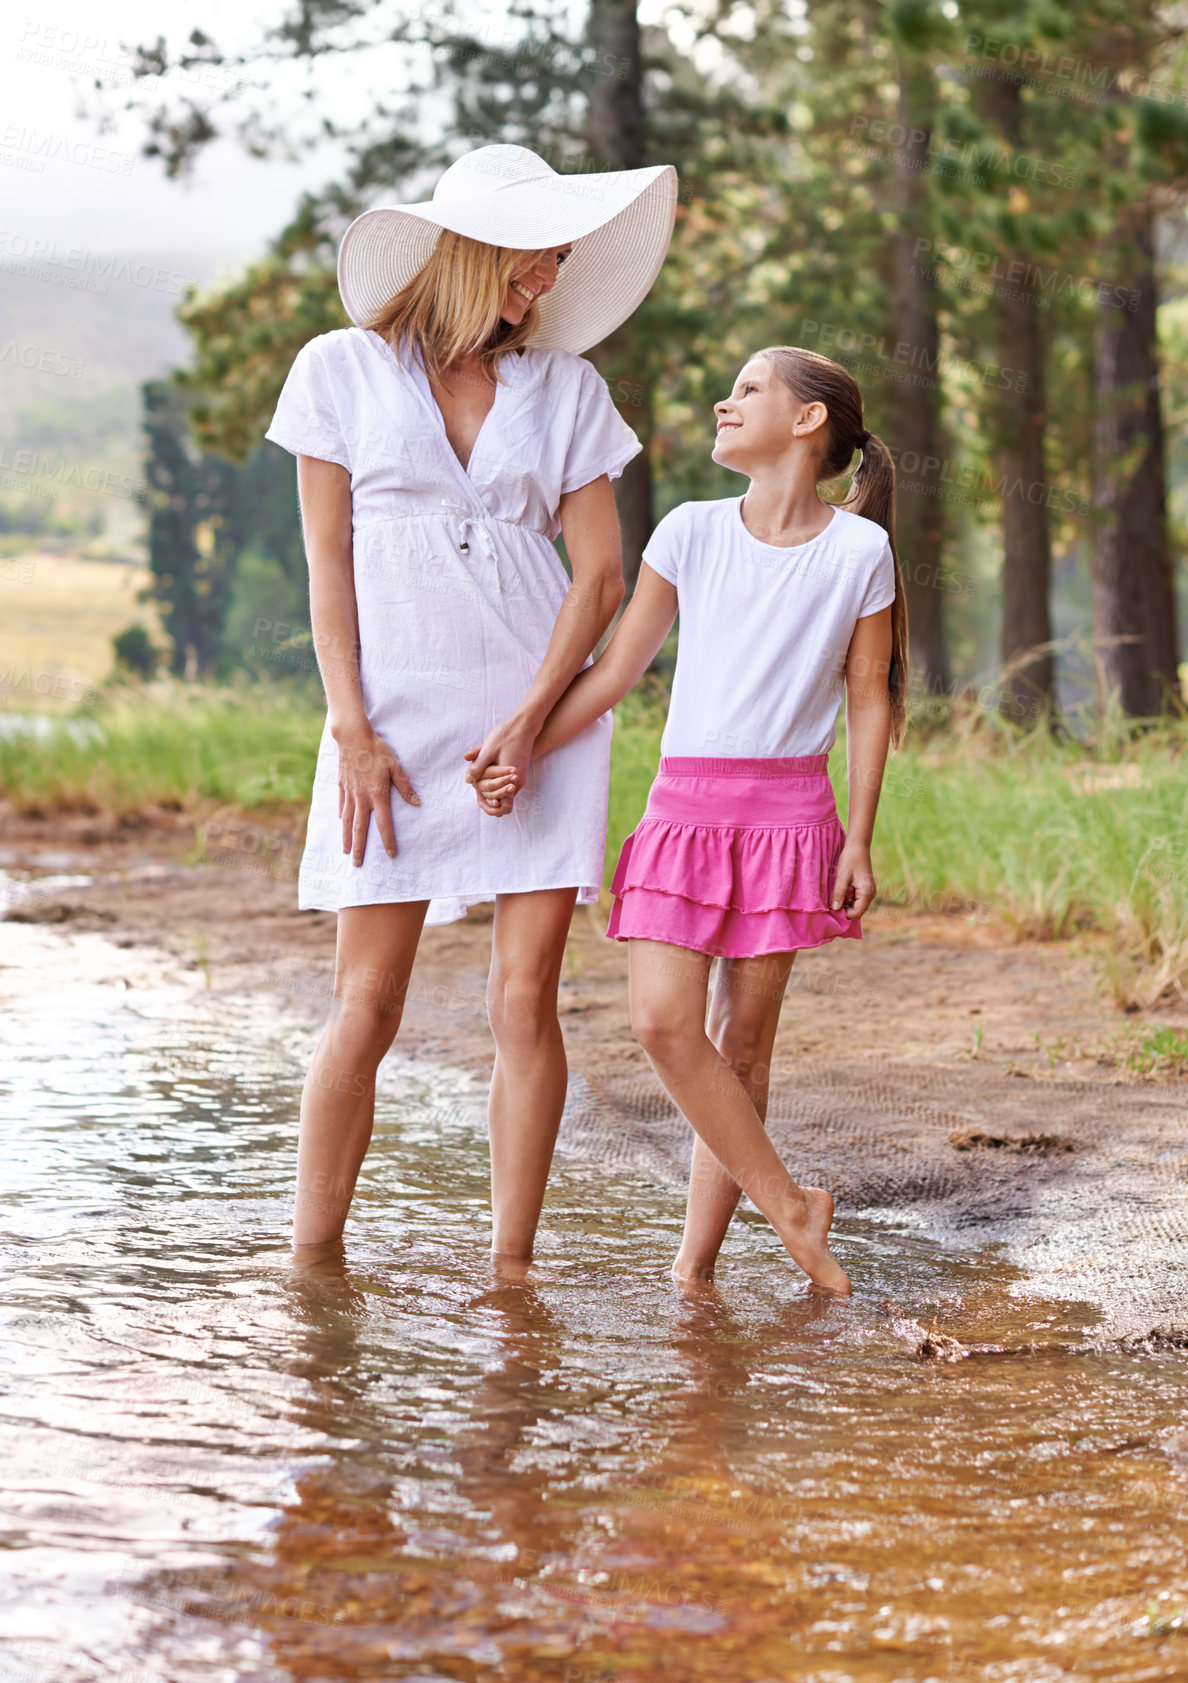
pixel 634 646
pixel 590 526
pixel 868 735
pixel 367 765
pixel 623 662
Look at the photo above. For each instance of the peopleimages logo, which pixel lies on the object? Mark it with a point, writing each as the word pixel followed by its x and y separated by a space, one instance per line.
pixel 20 253
pixel 45 147
pixel 22 465
pixel 987 268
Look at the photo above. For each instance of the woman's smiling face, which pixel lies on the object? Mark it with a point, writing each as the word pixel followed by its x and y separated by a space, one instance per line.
pixel 534 277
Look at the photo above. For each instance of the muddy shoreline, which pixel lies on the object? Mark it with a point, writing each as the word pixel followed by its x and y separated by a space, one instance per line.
pixel 952 989
pixel 938 1073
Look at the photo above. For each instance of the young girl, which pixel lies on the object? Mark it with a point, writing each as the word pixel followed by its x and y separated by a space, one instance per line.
pixel 740 854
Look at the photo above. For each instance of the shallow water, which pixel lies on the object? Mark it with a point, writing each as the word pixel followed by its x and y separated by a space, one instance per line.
pixel 219 1468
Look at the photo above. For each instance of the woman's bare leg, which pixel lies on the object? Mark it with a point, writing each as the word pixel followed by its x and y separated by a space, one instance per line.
pixel 743 1017
pixel 529 1081
pixel 668 999
pixel 373 963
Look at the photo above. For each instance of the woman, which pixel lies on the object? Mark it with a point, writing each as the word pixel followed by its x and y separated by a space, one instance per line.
pixel 442 443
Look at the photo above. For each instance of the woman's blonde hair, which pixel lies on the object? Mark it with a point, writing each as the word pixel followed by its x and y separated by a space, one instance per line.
pixel 818 379
pixel 451 306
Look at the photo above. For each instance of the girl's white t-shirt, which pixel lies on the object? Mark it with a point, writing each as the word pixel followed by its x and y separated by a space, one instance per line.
pixel 764 631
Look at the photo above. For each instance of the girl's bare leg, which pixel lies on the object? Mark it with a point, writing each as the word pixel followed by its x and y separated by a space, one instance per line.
pixel 668 999
pixel 530 1076
pixel 373 963
pixel 743 1017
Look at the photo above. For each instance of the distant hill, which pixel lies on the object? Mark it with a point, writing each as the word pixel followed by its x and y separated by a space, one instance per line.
pixel 77 336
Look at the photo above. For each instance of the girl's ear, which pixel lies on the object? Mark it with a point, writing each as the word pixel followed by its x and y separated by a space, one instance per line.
pixel 811 418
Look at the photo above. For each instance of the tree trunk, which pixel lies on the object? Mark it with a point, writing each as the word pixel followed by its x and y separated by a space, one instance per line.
pixel 1133 598
pixel 915 403
pixel 1027 687
pixel 614 133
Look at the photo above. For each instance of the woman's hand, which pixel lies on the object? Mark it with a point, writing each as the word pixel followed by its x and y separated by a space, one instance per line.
pixel 507 750
pixel 367 769
pixel 854 884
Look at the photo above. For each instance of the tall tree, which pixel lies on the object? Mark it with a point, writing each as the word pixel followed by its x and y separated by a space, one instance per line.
pixel 916 404
pixel 616 137
pixel 1134 605
pixel 1145 153
pixel 193 534
pixel 1019 422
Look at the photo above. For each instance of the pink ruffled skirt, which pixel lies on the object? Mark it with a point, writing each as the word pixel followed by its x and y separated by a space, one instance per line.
pixel 734 858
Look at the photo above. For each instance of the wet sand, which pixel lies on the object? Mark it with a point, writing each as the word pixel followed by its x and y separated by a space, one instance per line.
pixel 416 1467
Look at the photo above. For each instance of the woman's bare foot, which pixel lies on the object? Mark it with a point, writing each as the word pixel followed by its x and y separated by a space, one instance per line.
pixel 804 1237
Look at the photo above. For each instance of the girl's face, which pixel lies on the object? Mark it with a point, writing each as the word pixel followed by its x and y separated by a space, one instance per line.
pixel 761 418
pixel 531 280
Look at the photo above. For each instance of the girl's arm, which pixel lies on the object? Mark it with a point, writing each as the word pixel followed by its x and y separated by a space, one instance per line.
pixel 868 735
pixel 590 527
pixel 367 765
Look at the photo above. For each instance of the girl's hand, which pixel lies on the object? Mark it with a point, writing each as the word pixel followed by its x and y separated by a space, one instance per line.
pixel 367 769
pixel 496 790
pixel 854 886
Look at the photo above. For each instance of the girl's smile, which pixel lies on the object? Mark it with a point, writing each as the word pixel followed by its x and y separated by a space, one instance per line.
pixel 761 406
pixel 752 404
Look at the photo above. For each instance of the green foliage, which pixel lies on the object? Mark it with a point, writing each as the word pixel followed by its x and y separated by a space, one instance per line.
pixel 204 512
pixel 267 631
pixel 136 652
pixel 245 337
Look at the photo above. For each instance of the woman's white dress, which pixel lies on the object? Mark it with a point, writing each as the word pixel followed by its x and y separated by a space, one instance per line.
pixel 458 587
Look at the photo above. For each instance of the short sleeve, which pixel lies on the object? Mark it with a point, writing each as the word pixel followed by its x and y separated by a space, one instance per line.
pixel 664 549
pixel 880 591
pixel 306 420
pixel 602 442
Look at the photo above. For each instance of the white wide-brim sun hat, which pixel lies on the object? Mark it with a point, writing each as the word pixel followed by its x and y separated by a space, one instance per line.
pixel 620 222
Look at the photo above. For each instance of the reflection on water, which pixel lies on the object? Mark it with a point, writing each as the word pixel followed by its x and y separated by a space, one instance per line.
pixel 411 1466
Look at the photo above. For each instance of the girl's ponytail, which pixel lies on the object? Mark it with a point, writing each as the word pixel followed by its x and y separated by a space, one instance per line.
pixel 818 379
pixel 872 494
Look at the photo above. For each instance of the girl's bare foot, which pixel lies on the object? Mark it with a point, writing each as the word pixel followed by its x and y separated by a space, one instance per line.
pixel 804 1237
pixel 693 1282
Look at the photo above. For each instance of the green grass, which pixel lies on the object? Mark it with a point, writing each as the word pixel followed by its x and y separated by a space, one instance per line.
pixel 635 758
pixel 167 745
pixel 1050 836
pixel 1156 1051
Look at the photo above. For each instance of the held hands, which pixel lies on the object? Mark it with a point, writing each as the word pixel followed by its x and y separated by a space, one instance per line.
pixel 367 769
pixel 854 884
pixel 496 790
pixel 499 768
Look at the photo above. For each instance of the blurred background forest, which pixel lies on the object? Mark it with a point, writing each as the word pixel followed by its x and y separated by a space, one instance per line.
pixel 978 206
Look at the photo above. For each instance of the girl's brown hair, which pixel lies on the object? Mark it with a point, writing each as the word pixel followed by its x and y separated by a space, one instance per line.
pixel 451 306
pixel 816 379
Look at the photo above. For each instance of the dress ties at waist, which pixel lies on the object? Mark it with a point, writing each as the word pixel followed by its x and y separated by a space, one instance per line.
pixel 469 522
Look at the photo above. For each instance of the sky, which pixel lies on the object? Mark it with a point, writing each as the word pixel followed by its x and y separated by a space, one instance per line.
pixel 70 183
pixel 65 184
